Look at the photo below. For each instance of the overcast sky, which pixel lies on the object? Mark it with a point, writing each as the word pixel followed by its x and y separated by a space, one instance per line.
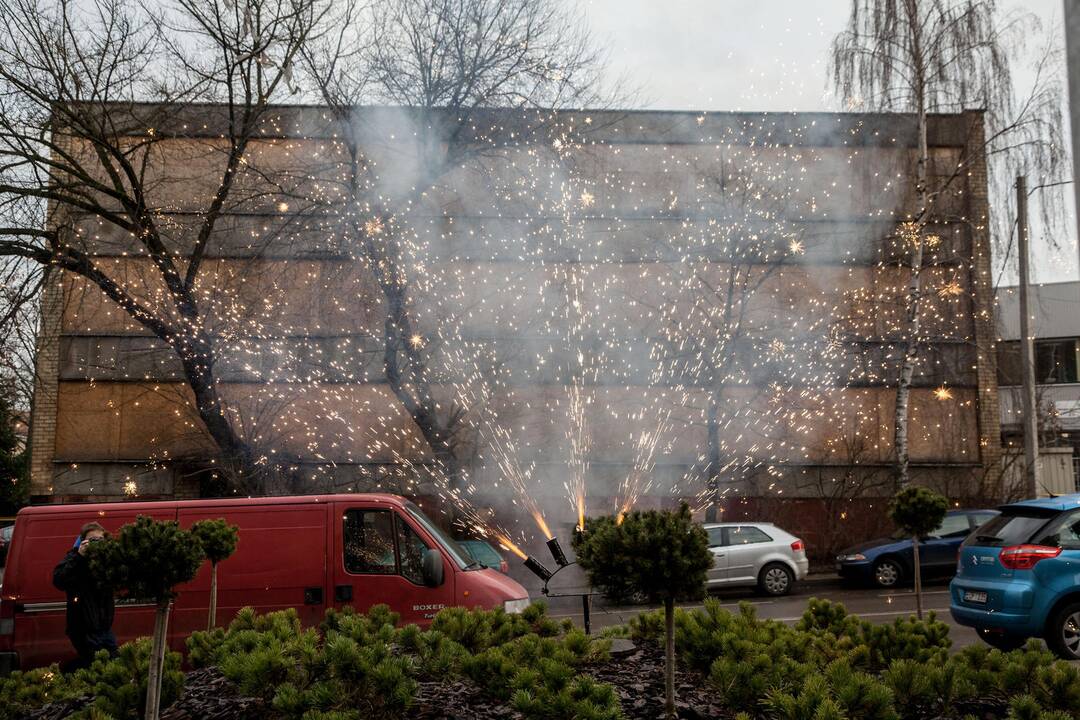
pixel 754 55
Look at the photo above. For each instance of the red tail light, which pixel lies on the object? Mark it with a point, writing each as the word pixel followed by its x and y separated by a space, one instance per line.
pixel 1024 557
pixel 798 546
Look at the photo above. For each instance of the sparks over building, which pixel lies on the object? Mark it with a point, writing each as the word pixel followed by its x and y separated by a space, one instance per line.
pixel 543 315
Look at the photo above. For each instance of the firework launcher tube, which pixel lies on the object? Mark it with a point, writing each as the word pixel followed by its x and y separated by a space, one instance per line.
pixel 538 568
pixel 557 552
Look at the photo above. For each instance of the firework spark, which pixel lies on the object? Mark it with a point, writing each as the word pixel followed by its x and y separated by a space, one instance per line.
pixel 943 393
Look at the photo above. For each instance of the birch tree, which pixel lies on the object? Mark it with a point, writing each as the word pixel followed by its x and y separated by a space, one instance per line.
pixel 931 56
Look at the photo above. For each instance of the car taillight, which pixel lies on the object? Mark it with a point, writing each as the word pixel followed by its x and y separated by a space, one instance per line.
pixel 798 546
pixel 1024 557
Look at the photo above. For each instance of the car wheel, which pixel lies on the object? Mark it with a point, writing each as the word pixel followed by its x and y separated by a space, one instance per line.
pixel 776 579
pixel 1002 641
pixel 1063 632
pixel 888 573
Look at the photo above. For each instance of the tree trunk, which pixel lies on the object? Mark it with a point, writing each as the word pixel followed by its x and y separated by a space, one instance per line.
pixel 669 658
pixel 918 575
pixel 197 357
pixel 714 459
pixel 914 289
pixel 405 370
pixel 212 620
pixel 157 661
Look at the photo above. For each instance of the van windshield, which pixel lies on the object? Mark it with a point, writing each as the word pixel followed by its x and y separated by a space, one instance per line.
pixel 461 558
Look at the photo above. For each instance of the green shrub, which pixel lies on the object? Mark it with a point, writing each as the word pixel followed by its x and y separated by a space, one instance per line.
pixel 117 685
pixel 538 676
pixel 218 540
pixel 832 662
pixel 871 646
pixel 346 669
pixel 21 692
pixel 661 555
pixel 477 630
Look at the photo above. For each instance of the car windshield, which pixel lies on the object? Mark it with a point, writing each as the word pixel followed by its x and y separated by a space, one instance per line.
pixel 1014 526
pixel 461 558
pixel 481 552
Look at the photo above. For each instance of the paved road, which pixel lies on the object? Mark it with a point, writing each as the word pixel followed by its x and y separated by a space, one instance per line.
pixel 873 604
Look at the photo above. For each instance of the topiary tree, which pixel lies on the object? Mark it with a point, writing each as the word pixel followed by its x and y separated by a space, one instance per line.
pixel 917 511
pixel 146 560
pixel 661 555
pixel 218 539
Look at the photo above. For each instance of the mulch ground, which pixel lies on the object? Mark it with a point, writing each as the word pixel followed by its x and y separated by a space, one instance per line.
pixel 638 678
pixel 208 695
pixel 457 700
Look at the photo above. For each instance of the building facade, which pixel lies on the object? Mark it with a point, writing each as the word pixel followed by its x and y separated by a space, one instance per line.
pixel 1056 329
pixel 502 246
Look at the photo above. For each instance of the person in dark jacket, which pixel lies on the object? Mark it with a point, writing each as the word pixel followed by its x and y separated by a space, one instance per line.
pixel 90 606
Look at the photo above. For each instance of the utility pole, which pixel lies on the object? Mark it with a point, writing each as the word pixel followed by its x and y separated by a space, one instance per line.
pixel 1027 350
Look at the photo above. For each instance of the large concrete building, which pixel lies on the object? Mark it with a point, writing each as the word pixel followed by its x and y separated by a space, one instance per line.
pixel 112 417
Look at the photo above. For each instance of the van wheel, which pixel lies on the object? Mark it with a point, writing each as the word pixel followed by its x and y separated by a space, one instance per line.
pixel 1002 641
pixel 1063 632
pixel 776 579
pixel 888 573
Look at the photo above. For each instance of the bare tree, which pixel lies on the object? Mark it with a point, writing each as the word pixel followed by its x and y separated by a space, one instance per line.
pixel 441 65
pixel 927 56
pixel 20 295
pixel 90 96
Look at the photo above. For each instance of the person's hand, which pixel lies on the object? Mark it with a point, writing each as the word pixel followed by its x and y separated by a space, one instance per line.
pixel 83 547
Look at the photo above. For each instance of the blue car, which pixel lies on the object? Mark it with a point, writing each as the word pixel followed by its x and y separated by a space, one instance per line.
pixel 1018 576
pixel 888 562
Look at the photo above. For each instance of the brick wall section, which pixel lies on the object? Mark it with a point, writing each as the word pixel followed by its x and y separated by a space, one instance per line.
pixel 989 413
pixel 47 371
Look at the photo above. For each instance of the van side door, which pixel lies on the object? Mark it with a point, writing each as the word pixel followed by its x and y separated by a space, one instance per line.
pixel 280 562
pixel 379 556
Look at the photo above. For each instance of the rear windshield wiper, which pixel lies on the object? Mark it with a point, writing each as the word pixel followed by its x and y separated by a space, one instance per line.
pixel 988 538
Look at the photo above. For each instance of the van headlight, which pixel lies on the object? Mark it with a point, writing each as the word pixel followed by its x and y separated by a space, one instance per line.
pixel 516 607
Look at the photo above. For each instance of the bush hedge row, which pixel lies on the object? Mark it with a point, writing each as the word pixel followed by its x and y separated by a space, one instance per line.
pixel 836 666
pixel 828 666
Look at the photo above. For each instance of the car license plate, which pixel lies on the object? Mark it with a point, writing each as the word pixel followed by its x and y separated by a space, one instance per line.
pixel 972 596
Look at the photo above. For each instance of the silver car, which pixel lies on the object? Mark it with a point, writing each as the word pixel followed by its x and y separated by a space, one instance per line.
pixel 749 554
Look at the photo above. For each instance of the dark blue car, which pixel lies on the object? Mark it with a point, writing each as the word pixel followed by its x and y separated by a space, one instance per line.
pixel 888 562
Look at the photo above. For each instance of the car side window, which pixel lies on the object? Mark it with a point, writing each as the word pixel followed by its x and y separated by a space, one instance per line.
pixel 716 537
pixel 412 552
pixel 746 535
pixel 953 526
pixel 1063 532
pixel 369 542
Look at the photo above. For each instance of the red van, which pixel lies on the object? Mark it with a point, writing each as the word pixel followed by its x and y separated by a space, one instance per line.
pixel 306 552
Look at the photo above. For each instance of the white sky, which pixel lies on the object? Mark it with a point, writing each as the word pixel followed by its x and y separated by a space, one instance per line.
pixel 758 55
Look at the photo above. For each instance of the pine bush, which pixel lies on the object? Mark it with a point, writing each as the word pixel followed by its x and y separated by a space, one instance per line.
pixel 115 687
